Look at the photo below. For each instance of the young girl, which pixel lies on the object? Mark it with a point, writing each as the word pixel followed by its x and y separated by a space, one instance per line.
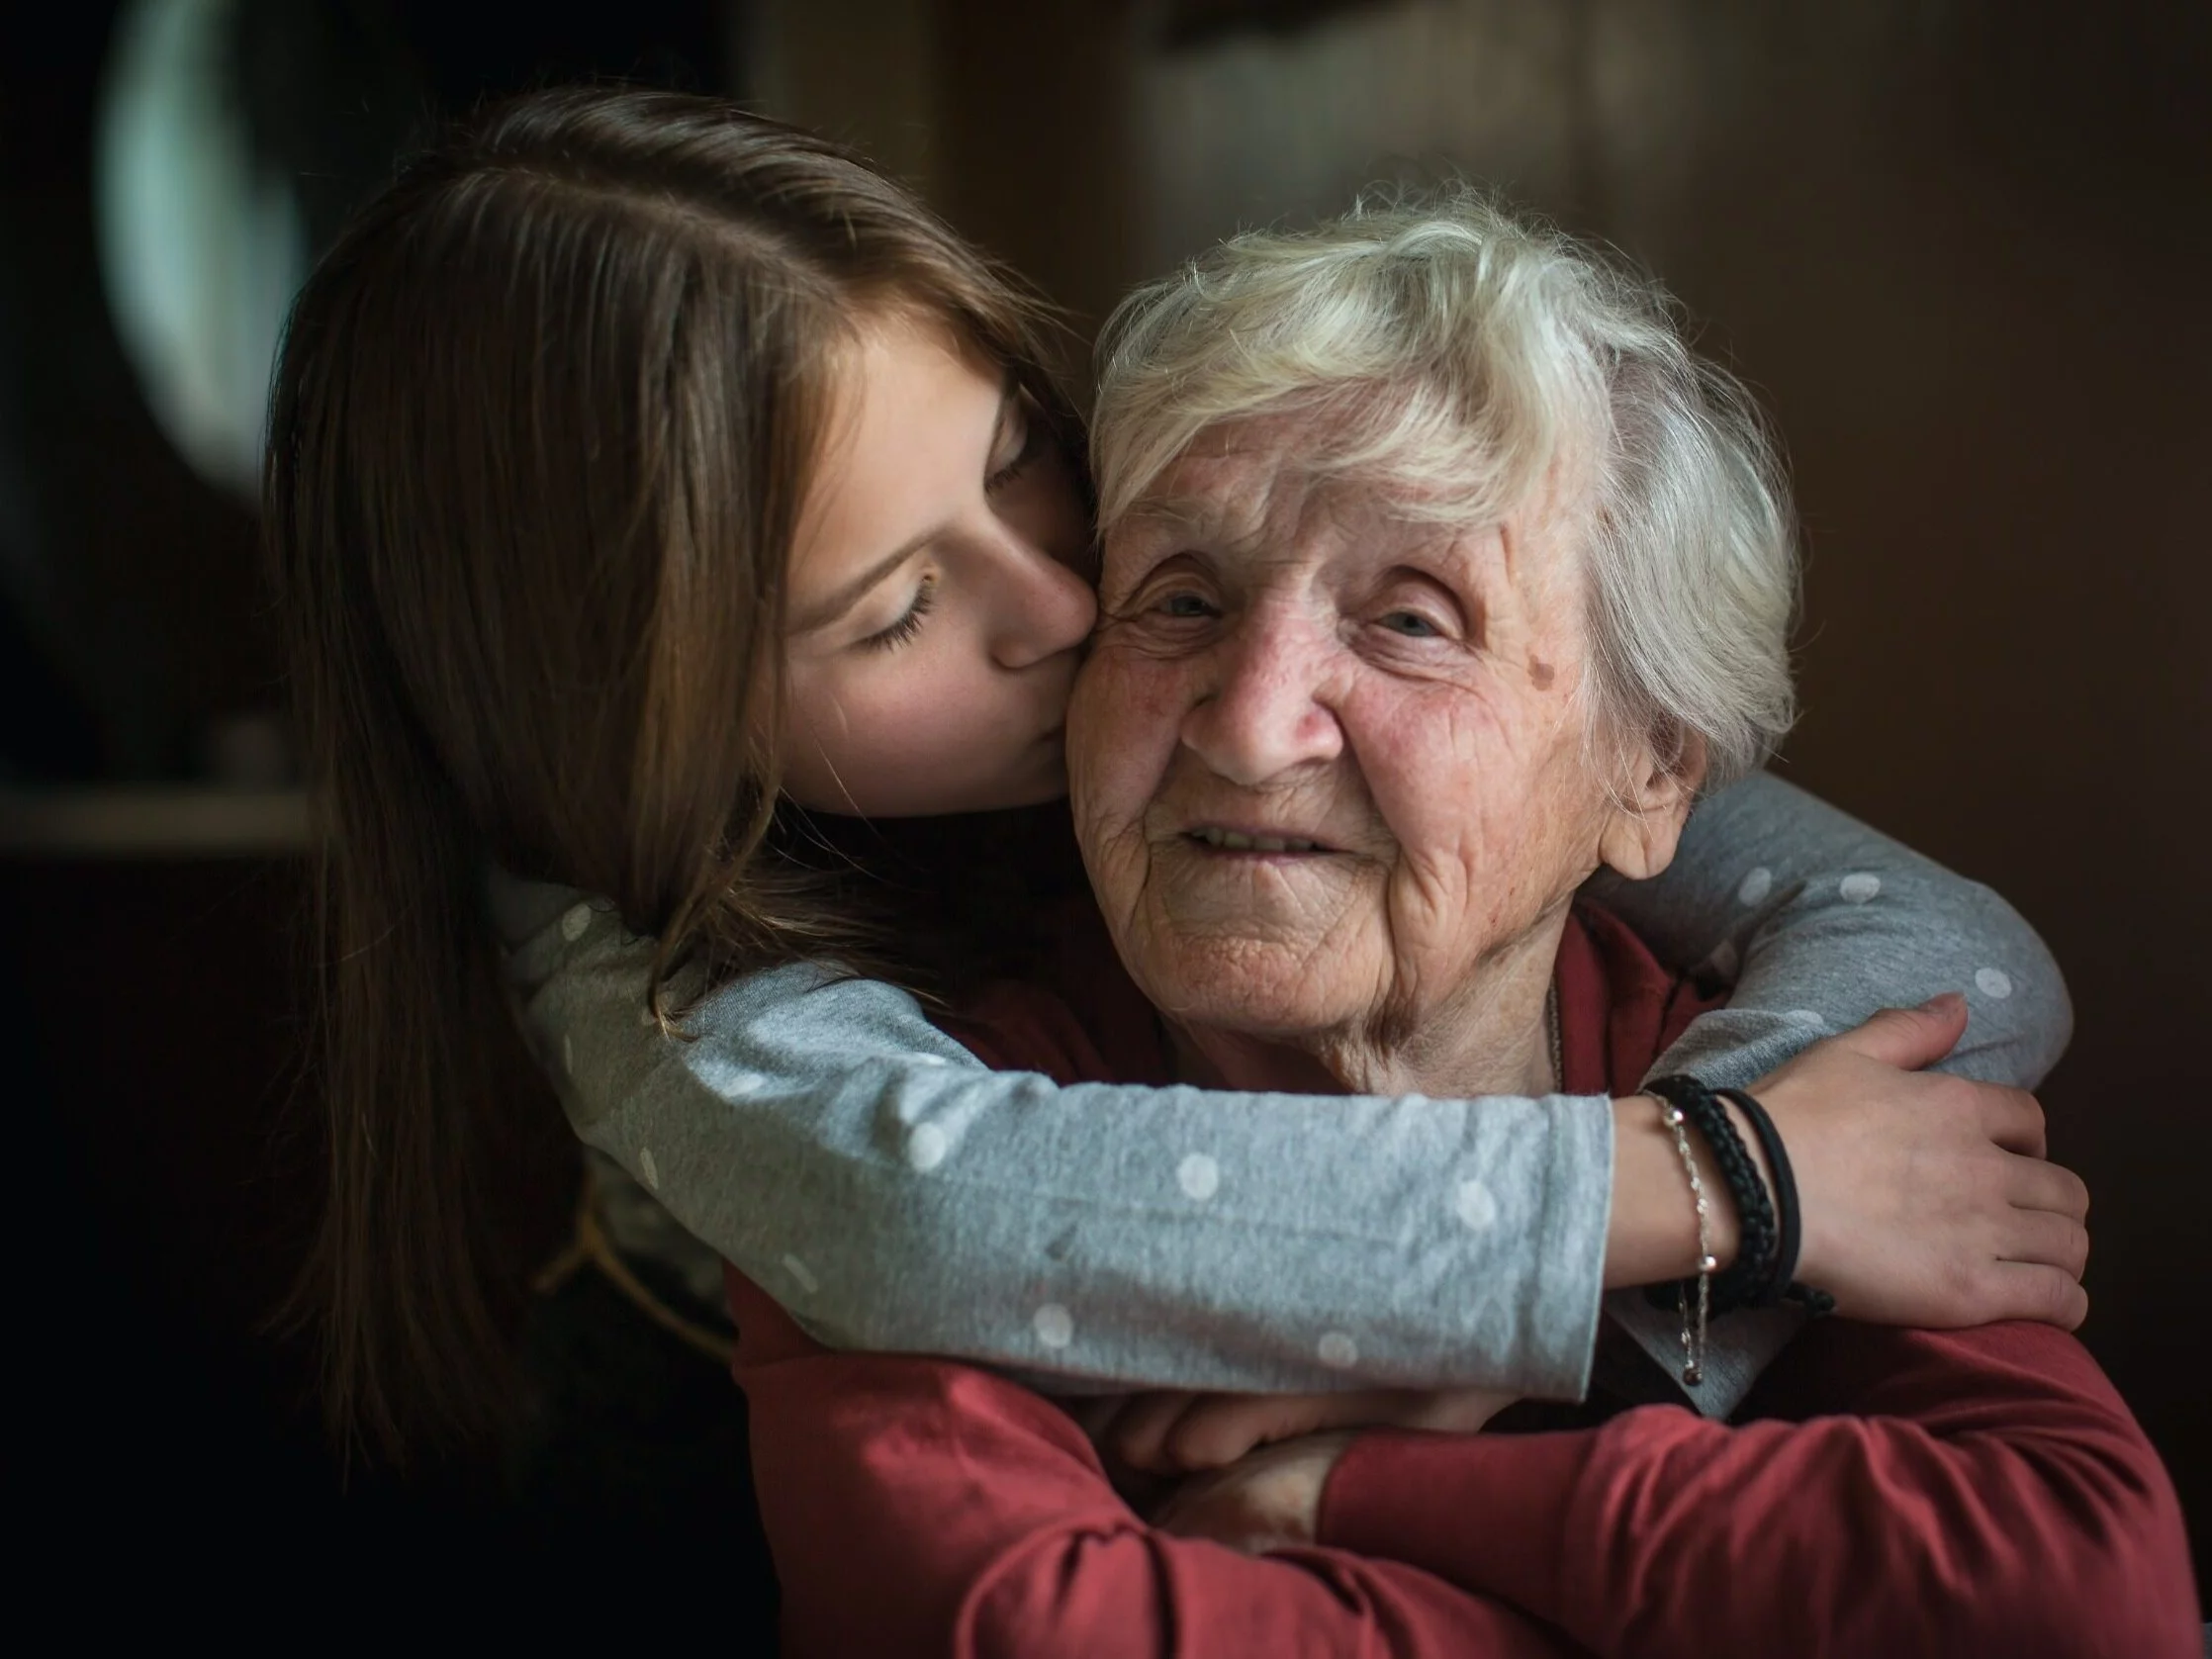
pixel 665 507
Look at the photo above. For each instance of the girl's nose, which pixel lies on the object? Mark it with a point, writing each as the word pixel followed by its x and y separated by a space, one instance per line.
pixel 1044 607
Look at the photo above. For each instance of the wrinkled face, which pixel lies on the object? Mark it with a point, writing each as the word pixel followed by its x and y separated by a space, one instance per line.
pixel 936 617
pixel 1329 764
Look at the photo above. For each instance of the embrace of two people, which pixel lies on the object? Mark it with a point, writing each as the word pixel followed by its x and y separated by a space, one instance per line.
pixel 726 654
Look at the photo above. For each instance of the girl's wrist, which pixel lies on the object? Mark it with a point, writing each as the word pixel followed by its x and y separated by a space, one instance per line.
pixel 1652 1236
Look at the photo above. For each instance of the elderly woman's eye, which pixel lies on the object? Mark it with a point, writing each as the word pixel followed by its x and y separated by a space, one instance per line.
pixel 1413 624
pixel 1184 606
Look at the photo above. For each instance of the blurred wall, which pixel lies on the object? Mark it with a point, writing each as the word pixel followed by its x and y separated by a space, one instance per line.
pixel 1961 249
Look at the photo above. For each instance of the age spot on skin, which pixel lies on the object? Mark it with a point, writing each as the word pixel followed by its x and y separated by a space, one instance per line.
pixel 1540 674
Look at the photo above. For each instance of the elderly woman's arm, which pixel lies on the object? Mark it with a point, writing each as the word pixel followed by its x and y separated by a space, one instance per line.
pixel 1897 1492
pixel 920 1507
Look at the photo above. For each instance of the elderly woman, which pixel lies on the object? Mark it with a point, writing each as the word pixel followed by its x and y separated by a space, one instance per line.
pixel 1438 576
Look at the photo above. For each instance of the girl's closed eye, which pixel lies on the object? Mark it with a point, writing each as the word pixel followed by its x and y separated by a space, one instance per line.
pixel 908 625
pixel 1028 442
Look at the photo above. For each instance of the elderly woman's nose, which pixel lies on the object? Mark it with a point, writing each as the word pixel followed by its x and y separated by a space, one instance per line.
pixel 1042 606
pixel 1262 711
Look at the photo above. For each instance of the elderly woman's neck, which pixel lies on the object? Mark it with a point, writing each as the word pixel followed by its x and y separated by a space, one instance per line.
pixel 1492 1035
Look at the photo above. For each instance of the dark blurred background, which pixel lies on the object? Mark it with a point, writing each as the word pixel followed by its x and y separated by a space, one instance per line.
pixel 1959 246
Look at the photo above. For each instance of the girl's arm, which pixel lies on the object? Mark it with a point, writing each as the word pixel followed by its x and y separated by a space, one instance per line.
pixel 897 1195
pixel 1817 921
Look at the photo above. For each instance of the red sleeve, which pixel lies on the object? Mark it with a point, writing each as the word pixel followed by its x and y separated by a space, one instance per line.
pixel 920 1507
pixel 1988 1493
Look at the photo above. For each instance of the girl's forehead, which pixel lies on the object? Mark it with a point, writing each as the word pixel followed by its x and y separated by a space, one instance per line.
pixel 911 418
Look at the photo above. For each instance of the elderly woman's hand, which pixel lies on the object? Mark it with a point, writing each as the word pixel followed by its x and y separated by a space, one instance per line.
pixel 1927 1198
pixel 1174 1431
pixel 1271 1500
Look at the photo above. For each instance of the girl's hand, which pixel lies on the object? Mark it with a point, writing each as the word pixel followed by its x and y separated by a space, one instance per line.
pixel 1271 1500
pixel 1927 1198
pixel 1173 1431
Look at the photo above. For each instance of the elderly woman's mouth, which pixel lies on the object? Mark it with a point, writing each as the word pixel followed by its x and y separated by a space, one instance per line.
pixel 1220 839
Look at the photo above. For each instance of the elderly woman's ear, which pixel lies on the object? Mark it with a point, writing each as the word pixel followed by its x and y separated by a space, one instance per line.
pixel 1659 781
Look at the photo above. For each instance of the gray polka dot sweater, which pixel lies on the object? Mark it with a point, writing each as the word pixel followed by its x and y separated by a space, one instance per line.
pixel 896 1194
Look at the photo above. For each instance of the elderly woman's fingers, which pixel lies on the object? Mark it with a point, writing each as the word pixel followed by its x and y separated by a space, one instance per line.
pixel 1215 1429
pixel 1137 1434
pixel 1267 1500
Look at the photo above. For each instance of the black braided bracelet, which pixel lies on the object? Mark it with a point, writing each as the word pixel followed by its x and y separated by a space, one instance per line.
pixel 1789 1224
pixel 1749 1280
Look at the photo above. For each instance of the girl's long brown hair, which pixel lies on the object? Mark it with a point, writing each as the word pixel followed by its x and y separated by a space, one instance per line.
pixel 542 421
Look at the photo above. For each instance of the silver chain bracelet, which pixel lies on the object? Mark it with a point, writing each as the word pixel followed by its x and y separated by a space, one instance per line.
pixel 1693 1332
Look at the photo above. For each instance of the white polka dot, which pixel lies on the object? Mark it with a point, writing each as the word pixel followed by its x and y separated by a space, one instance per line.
pixel 1198 1176
pixel 573 921
pixel 930 1059
pixel 926 1147
pixel 1476 1204
pixel 1056 1326
pixel 1807 1016
pixel 568 1053
pixel 648 1169
pixel 1337 1350
pixel 802 1272
pixel 1993 981
pixel 1859 886
pixel 1725 961
pixel 1756 886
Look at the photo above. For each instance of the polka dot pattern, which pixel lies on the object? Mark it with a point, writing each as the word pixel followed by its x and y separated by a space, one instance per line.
pixel 568 1053
pixel 1859 886
pixel 648 1169
pixel 926 1147
pixel 1055 1326
pixel 1994 983
pixel 1199 1176
pixel 1337 1350
pixel 1808 1017
pixel 1476 1205
pixel 802 1274
pixel 573 921
pixel 1756 886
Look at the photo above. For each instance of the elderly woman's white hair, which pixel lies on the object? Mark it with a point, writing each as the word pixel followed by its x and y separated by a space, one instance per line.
pixel 1466 360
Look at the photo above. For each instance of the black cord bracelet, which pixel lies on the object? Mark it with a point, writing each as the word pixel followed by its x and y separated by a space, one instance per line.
pixel 1749 1280
pixel 1788 1222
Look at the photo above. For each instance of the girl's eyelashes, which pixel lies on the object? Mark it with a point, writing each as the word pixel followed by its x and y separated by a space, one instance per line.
pixel 1032 444
pixel 908 625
